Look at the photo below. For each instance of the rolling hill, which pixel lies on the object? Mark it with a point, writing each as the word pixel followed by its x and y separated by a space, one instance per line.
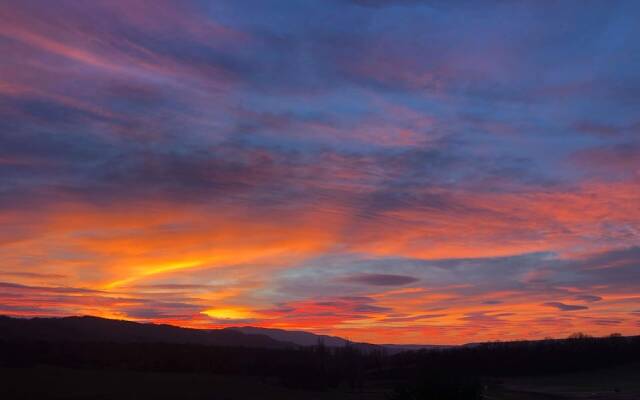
pixel 94 329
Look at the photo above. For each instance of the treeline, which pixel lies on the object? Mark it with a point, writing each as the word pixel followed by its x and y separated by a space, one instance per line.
pixel 522 358
pixel 315 368
pixel 457 369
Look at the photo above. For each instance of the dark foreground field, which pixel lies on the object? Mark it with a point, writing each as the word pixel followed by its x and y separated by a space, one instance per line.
pixel 620 383
pixel 102 359
pixel 46 382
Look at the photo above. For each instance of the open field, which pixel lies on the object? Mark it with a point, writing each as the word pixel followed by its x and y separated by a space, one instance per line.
pixel 44 382
pixel 622 383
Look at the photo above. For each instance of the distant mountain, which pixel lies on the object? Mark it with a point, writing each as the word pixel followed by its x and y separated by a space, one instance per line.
pixel 93 329
pixel 303 338
pixel 300 338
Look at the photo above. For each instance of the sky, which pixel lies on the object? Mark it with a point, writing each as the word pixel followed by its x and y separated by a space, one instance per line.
pixel 387 171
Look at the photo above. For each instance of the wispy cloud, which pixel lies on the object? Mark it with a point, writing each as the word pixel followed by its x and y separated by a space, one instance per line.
pixel 409 172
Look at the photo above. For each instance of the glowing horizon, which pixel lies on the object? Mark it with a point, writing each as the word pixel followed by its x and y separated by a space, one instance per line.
pixel 386 171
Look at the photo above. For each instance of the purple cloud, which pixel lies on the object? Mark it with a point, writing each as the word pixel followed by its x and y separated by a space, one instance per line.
pixel 565 307
pixel 382 279
pixel 589 298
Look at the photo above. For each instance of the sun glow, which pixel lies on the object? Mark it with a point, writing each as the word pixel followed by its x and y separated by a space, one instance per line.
pixel 229 313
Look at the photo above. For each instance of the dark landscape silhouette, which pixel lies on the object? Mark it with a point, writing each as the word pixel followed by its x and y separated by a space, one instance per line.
pixel 82 349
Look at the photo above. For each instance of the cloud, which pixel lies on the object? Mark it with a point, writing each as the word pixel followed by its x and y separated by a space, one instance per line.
pixel 595 128
pixel 617 160
pixel 352 178
pixel 565 307
pixel 21 274
pixel 411 318
pixel 608 322
pixel 173 286
pixel 382 279
pixel 387 3
pixel 589 298
pixel 51 289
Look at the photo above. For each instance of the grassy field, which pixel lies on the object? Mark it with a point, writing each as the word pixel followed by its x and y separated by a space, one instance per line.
pixel 45 382
pixel 621 383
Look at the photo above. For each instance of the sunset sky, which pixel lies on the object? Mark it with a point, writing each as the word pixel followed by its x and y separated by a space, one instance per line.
pixel 387 171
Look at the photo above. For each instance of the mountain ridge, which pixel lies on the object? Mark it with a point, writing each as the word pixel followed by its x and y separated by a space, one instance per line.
pixel 97 329
pixel 305 338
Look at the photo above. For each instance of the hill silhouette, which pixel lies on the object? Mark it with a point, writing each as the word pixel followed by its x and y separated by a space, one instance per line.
pixel 97 329
pixel 303 338
pixel 94 329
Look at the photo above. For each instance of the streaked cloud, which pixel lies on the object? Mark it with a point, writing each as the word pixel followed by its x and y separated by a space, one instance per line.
pixel 410 172
pixel 565 307
pixel 382 279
